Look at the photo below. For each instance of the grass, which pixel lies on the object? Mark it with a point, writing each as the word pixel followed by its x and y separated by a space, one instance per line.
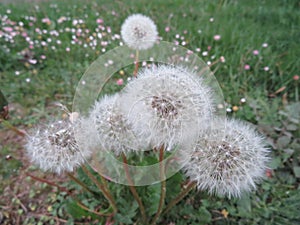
pixel 269 85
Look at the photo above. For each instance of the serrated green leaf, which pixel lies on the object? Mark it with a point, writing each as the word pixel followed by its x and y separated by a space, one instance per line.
pixel 153 197
pixel 283 142
pixel 75 211
pixel 275 163
pixel 123 218
pixel 287 154
pixel 296 170
pixel 204 215
pixel 127 211
pixel 244 206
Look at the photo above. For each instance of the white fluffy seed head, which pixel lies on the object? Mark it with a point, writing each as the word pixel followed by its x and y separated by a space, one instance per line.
pixel 55 148
pixel 139 32
pixel 111 126
pixel 229 159
pixel 166 105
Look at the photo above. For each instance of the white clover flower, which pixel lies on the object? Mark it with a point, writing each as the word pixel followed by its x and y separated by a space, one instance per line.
pixel 139 32
pixel 228 160
pixel 111 127
pixel 167 105
pixel 55 148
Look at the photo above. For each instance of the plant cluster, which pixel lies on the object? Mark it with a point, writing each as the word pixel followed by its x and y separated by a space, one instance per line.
pixel 163 109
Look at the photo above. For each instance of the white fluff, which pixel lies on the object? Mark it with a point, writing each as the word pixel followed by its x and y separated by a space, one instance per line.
pixel 228 159
pixel 139 32
pixel 55 148
pixel 111 127
pixel 166 105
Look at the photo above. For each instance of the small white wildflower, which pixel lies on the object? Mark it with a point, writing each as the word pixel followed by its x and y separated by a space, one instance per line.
pixel 139 32
pixel 229 159
pixel 243 100
pixel 112 128
pixel 55 148
pixel 166 105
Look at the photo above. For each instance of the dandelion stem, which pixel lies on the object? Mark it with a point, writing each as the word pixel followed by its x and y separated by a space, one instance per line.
pixel 81 205
pixel 296 93
pixel 182 194
pixel 104 190
pixel 63 189
pixel 83 185
pixel 133 189
pixel 163 185
pixel 13 128
pixel 136 63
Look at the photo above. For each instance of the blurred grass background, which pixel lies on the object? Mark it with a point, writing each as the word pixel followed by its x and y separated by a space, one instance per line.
pixel 46 46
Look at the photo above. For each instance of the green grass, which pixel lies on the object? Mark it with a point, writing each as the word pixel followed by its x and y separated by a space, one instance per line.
pixel 243 25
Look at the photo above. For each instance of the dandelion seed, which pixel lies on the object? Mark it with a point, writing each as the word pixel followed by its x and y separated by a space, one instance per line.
pixel 230 160
pixel 265 45
pixel 139 32
pixel 266 68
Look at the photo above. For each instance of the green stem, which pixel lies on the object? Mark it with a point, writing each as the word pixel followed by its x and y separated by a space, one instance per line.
pixel 104 190
pixel 133 189
pixel 181 195
pixel 163 185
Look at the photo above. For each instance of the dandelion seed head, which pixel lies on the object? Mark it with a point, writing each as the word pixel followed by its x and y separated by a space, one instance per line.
pixel 166 104
pixel 111 126
pixel 55 149
pixel 230 159
pixel 139 32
